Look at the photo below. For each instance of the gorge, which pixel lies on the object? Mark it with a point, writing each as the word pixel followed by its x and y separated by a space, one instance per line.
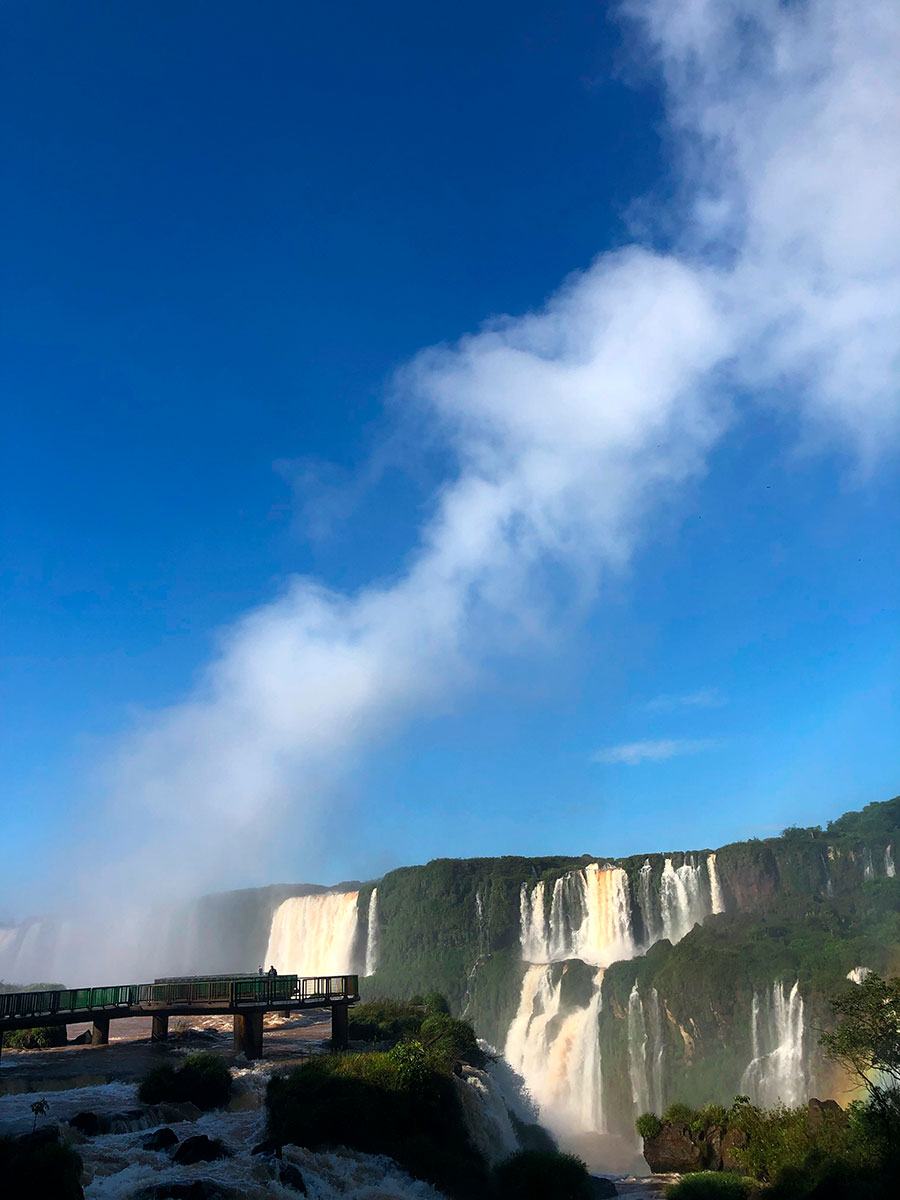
pixel 611 986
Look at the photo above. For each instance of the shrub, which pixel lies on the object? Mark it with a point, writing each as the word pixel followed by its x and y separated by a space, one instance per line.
pixel 203 1079
pixel 448 1040
pixel 680 1112
pixel 710 1185
pixel 648 1125
pixel 781 1137
pixel 434 1002
pixel 392 1103
pixel 539 1174
pixel 385 1020
pixel 40 1038
pixel 36 1167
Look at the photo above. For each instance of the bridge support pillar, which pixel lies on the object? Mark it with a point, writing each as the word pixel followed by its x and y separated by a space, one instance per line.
pixel 339 1027
pixel 100 1032
pixel 159 1029
pixel 248 1034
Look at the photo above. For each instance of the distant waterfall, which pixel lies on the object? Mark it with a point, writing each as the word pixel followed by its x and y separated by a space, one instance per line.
pixel 681 898
pixel 372 934
pixel 649 914
pixel 715 888
pixel 889 868
pixel 558 1053
pixel 777 1071
pixel 589 918
pixel 859 974
pixel 314 935
pixel 645 1052
pixel 868 867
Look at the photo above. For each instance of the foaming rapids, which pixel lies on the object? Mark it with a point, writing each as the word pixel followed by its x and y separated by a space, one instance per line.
pixel 315 935
pixel 778 1069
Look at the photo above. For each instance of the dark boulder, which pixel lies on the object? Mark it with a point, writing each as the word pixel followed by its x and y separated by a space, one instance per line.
pixel 187 1189
pixel 673 1149
pixel 87 1123
pixel 601 1188
pixel 269 1146
pixel 161 1139
pixel 200 1148
pixel 825 1112
pixel 83 1039
pixel 290 1176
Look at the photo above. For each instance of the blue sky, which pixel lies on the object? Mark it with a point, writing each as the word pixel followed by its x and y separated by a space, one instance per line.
pixel 228 229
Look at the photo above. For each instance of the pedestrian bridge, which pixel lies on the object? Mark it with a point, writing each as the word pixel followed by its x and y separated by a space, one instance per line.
pixel 247 997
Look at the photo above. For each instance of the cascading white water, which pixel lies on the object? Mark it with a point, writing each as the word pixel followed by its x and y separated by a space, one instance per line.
pixel 372 934
pixel 557 1054
pixel 859 974
pixel 868 867
pixel 778 1069
pixel 681 899
pixel 486 1115
pixel 315 935
pixel 645 1052
pixel 716 899
pixel 889 868
pixel 590 918
pixel 649 916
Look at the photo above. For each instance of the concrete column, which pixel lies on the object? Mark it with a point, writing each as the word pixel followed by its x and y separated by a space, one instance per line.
pixel 159 1029
pixel 100 1032
pixel 339 1027
pixel 248 1034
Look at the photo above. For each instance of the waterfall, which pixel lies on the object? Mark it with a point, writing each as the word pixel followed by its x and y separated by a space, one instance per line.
pixel 889 869
pixel 715 887
pixel 868 868
pixel 645 1052
pixel 777 1070
pixel 589 918
pixel 314 935
pixel 557 1052
pixel 652 928
pixel 372 934
pixel 681 899
pixel 859 974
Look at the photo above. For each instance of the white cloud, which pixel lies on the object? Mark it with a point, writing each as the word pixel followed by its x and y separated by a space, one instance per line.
pixel 571 424
pixel 632 753
pixel 703 698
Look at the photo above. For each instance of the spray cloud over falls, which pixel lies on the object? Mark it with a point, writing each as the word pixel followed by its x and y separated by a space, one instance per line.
pixel 570 424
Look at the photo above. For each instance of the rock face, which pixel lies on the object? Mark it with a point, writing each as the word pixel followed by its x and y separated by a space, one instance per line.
pixel 674 1149
pixel 200 1148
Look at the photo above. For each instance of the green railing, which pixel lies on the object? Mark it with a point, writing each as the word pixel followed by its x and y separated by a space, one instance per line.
pixel 225 991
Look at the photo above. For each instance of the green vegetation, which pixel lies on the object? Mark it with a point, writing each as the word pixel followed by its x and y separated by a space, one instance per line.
pixel 42 1037
pixel 541 1174
pixel 710 1185
pixel 401 1103
pixel 204 1079
pixel 648 1125
pixel 37 1166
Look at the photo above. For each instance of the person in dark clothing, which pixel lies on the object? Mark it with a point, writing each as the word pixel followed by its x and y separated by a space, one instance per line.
pixel 272 972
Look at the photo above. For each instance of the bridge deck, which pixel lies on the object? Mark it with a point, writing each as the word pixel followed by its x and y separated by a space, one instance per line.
pixel 206 995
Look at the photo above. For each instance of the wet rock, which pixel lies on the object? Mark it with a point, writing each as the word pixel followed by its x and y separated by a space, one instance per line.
pixel 188 1189
pixel 291 1177
pixel 601 1188
pixel 244 1102
pixel 161 1139
pixel 268 1147
pixel 673 1149
pixel 200 1148
pixel 92 1124
pixel 733 1139
pixel 184 1110
pixel 83 1039
pixel 824 1112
